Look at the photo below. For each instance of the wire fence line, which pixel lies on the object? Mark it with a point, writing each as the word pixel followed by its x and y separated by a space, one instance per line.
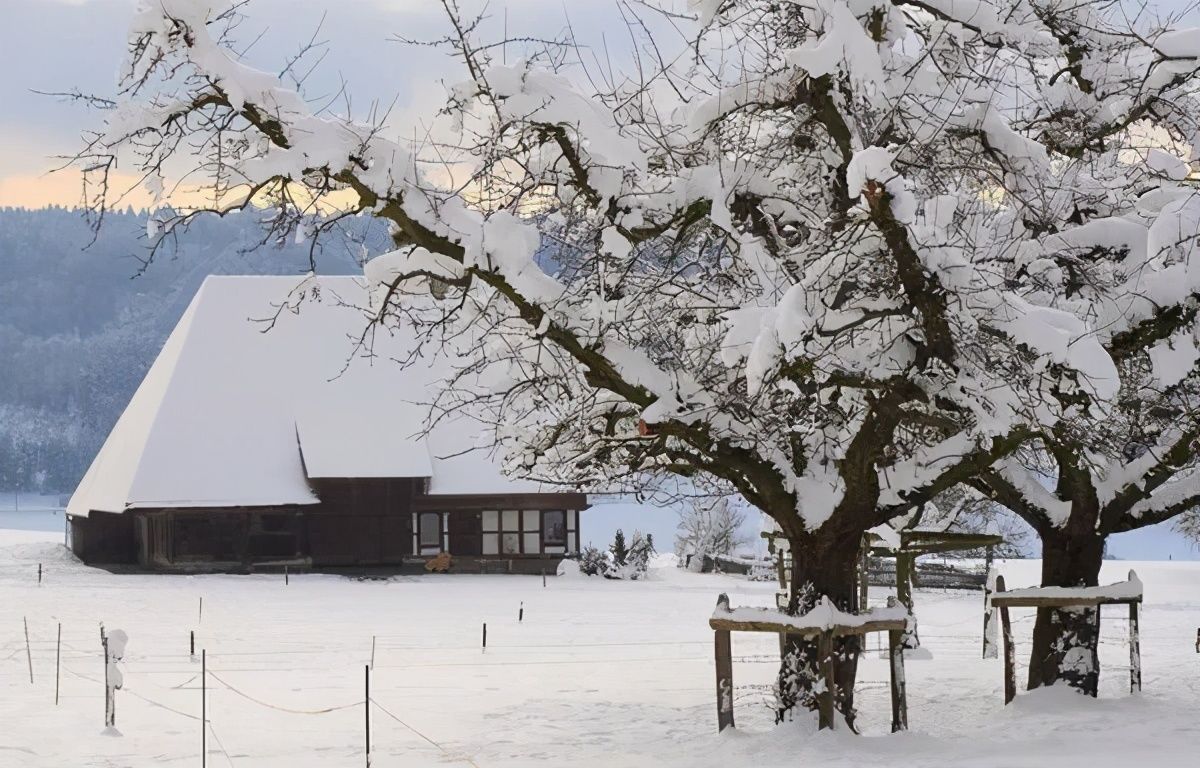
pixel 234 658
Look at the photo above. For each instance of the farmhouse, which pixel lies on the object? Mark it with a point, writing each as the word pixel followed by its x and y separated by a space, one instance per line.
pixel 264 434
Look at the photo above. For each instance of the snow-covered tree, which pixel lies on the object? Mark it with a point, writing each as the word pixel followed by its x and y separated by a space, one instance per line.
pixel 1132 466
pixel 709 526
pixel 837 258
pixel 1189 525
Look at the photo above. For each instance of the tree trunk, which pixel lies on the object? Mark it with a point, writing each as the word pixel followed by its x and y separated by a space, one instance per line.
pixel 822 566
pixel 1066 641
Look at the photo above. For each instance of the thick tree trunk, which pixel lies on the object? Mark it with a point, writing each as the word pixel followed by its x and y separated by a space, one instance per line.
pixel 822 566
pixel 1066 642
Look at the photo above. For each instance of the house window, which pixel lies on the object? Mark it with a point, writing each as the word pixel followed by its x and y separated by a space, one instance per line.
pixel 510 543
pixel 512 532
pixel 430 532
pixel 554 528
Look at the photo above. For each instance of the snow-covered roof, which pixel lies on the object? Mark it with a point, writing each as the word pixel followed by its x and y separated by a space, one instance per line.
pixel 246 402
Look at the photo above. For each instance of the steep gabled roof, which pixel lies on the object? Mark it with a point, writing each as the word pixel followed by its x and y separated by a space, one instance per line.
pixel 256 391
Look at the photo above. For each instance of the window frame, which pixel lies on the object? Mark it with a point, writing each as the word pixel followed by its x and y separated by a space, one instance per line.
pixel 529 526
pixel 565 542
pixel 438 546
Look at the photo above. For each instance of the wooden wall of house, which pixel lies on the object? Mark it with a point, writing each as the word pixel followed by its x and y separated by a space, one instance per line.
pixel 104 538
pixel 225 534
pixel 358 522
pixel 361 521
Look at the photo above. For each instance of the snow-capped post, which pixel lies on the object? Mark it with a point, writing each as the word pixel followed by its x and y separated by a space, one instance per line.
pixel 723 654
pixel 521 613
pixel 990 651
pixel 114 678
pixel 28 652
pixel 1010 658
pixel 896 679
pixel 905 566
pixel 1135 643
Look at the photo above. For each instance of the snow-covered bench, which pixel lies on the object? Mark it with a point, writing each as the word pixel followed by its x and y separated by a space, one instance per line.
pixel 825 622
pixel 1128 592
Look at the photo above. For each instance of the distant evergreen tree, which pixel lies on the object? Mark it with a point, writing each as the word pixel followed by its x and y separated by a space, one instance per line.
pixel 620 553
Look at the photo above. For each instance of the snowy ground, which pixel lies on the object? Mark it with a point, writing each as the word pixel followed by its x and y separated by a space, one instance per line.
pixel 598 674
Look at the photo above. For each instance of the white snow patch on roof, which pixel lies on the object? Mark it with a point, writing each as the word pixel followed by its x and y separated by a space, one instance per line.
pixel 241 412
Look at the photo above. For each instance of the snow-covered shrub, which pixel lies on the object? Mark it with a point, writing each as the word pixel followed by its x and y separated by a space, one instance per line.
pixel 632 561
pixel 618 550
pixel 641 549
pixel 593 562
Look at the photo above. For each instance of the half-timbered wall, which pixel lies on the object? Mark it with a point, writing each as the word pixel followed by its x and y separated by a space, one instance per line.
pixel 365 522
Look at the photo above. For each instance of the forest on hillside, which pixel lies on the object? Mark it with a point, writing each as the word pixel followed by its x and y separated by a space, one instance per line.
pixel 81 321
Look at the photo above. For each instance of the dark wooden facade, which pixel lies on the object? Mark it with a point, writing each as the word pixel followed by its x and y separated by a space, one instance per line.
pixel 359 523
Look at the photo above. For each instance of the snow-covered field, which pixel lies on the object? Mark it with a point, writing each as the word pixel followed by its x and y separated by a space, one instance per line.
pixel 598 674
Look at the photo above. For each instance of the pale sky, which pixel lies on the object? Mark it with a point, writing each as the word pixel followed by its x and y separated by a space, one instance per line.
pixel 61 45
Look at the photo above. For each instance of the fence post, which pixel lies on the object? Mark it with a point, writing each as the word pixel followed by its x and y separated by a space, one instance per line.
pixel 1135 650
pixel 485 635
pixel 372 651
pixel 203 708
pixel 826 700
pixel 905 563
pixel 1010 653
pixel 104 645
pixel 896 666
pixel 521 612
pixel 28 653
pixel 864 575
pixel 723 654
pixel 989 618
pixel 57 662
pixel 367 710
